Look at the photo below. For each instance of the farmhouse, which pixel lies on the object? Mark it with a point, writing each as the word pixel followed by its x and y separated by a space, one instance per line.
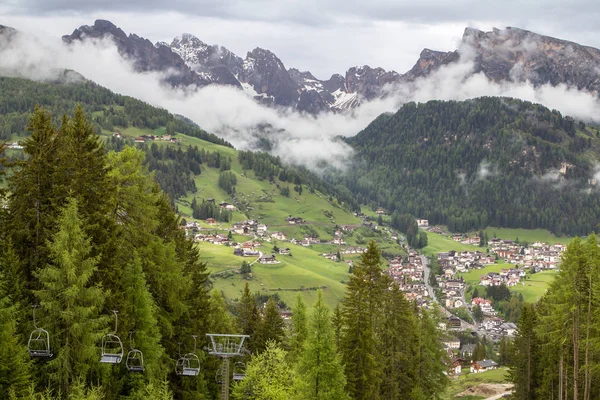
pixel 267 259
pixel 483 365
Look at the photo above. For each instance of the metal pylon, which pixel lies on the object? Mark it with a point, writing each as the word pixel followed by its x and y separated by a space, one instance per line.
pixel 225 380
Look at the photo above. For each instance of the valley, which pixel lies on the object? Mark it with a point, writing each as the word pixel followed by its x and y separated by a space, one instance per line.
pixel 440 250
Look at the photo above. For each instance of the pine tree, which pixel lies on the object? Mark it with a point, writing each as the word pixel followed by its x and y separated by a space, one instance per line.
pixel 397 340
pixel 431 358
pixel 298 329
pixel 71 301
pixel 15 365
pixel 220 320
pixel 523 368
pixel 319 371
pixel 268 377
pixel 31 204
pixel 337 321
pixel 359 313
pixel 139 316
pixel 248 318
pixel 271 326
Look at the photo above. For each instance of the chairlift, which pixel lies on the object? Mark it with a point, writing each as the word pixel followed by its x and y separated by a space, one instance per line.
pixel 38 345
pixel 239 371
pixel 188 364
pixel 135 358
pixel 219 376
pixel 112 347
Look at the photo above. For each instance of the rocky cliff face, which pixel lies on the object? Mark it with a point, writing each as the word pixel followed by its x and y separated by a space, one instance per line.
pixel 517 55
pixel 145 56
pixel 510 54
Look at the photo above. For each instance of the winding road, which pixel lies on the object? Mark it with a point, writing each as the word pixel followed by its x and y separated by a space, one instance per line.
pixel 426 272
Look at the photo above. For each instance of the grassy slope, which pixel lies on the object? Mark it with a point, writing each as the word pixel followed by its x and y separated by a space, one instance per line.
pixel 442 243
pixel 527 235
pixel 306 268
pixel 535 286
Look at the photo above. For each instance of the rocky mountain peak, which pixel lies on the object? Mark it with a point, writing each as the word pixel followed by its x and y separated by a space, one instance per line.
pixel 99 30
pixel 368 82
pixel 518 55
pixel 144 55
pixel 268 76
pixel 300 77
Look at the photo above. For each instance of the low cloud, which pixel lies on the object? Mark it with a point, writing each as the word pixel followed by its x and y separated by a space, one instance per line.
pixel 232 114
pixel 486 170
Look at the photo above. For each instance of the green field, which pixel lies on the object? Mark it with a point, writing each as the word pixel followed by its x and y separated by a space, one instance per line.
pixel 527 235
pixel 301 273
pixel 466 380
pixel 535 285
pixel 532 287
pixel 442 243
pixel 472 277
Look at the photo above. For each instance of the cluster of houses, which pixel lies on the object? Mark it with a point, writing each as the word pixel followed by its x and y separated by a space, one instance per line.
pixel 453 262
pixel 452 291
pixel 507 276
pixel 485 306
pixel 408 273
pixel 538 256
pixel 460 358
pixel 150 138
pixel 495 328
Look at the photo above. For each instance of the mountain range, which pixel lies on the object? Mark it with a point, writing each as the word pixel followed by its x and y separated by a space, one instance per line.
pixel 507 55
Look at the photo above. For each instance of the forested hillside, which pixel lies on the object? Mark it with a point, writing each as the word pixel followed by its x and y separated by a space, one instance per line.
pixel 175 168
pixel 87 235
pixel 109 110
pixel 482 162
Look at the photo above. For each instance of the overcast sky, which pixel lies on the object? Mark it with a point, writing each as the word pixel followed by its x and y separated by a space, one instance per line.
pixel 323 36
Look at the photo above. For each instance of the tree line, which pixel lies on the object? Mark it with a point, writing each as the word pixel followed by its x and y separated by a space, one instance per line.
pixel 556 350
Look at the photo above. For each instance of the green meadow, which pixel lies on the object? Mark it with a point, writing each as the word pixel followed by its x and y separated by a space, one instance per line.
pixel 527 235
pixel 442 243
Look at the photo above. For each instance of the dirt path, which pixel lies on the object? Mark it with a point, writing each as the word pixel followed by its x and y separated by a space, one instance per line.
pixel 491 391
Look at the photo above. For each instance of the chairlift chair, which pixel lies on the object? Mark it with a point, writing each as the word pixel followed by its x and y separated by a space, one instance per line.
pixel 38 344
pixel 188 364
pixel 135 358
pixel 239 371
pixel 112 347
pixel 219 375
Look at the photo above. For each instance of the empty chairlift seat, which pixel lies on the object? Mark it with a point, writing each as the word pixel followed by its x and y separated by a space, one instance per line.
pixel 239 371
pixel 188 364
pixel 135 358
pixel 135 361
pixel 38 344
pixel 112 347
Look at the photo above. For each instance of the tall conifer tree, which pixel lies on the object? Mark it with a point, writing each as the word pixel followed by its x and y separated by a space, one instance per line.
pixel 248 318
pixel 271 326
pixel 298 329
pixel 71 301
pixel 524 368
pixel 319 372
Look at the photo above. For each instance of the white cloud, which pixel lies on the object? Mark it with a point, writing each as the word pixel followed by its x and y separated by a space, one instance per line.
pixel 235 116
